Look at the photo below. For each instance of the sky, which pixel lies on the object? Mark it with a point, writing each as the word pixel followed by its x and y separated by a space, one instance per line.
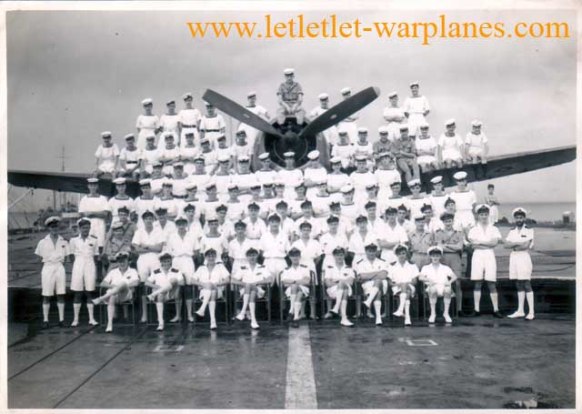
pixel 72 75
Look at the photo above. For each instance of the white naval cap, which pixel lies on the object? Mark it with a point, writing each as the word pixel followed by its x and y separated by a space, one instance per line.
pixel 403 127
pixel 342 132
pixel 178 164
pixel 289 71
pixel 157 163
pixel 423 125
pixel 167 182
pixel 414 83
pixel 289 154
pixel 243 158
pixel 369 186
pixel 106 134
pixel 167 134
pixel 460 175
pixel 392 94
pixel 210 184
pixel 171 101
pixel 268 183
pixel 383 129
pixel 335 160
pixel 418 217
pixel 119 180
pixel 147 101
pixel 347 189
pixel 211 216
pixel 450 122
pixel 476 123
pixel 432 249
pixel 204 140
pixel 165 255
pixel 323 96
pixel 362 130
pixel 181 218
pixel 92 180
pixel 400 246
pixel 207 103
pixel 413 182
pixel 150 137
pixel 223 158
pixel 241 131
pixel 51 220
pixel 116 225
pixel 187 95
pixel 313 155
pixel 519 210
pixel 129 136
pixel 232 186
pixel 251 94
pixel 482 208
pixel 279 183
pixel 221 137
pixel 346 90
pixel 145 181
pixel 264 156
pixel 191 186
pixel 83 220
pixel 437 179
pixel 361 157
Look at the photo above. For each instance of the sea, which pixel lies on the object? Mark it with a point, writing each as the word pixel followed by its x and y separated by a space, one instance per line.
pixel 541 212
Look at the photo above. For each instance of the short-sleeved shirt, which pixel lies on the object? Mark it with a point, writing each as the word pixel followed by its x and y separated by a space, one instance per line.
pixel 107 153
pixel 212 124
pixel 180 246
pixel 442 237
pixel 358 243
pixel 415 204
pixel 309 251
pixel 87 247
pixel 169 122
pixel 170 204
pixel 525 234
pixel 464 200
pixel 189 117
pixel 162 279
pixel 420 242
pixel 141 205
pixel 480 234
pixel 218 275
pixel 248 275
pixel 403 273
pixel 315 174
pixel 476 141
pixel 114 246
pixel 115 276
pixel 131 158
pixel 447 143
pixel 439 275
pixel 153 238
pixel 116 203
pixel 366 266
pixel 167 229
pixel 361 180
pixel 238 250
pixel 337 274
pixel 220 244
pixel 290 92
pixel 330 242
pixel 52 252
pixel 416 105
pixel 291 178
pixel 147 122
pixel 292 274
pixel 274 246
pixel 392 235
pixel 255 230
pixel 93 204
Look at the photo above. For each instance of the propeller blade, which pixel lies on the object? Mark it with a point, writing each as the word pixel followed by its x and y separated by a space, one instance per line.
pixel 341 111
pixel 239 112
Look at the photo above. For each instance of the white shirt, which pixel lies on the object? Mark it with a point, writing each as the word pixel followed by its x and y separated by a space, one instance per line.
pixel 255 230
pixel 93 204
pixel 361 180
pixel 220 244
pixel 358 243
pixel 293 274
pixel 147 122
pixel 170 204
pixel 464 200
pixel 350 211
pixel 215 124
pixel 242 150
pixel 403 273
pixel 321 206
pixel 480 234
pixel 248 275
pixel 416 105
pixel 344 152
pixel 200 180
pixel 106 157
pixel 218 275
pixel 476 141
pixel 156 184
pixel 131 158
pixel 274 247
pixel 116 203
pixel 447 143
pixel 87 248
pixel 385 178
pixel 52 252
pixel 439 275
pixel 415 204
pixel 141 205
pixel 309 251
pixel 180 246
pixel 330 242
pixel 142 238
pixel 238 250
pixel 392 235
pixel 179 186
pixel 150 156
pixel 291 178
pixel 525 234
pixel 428 144
pixel 161 278
pixel 235 212
pixel 336 181
pixel 266 176
pixel 366 266
pixel 170 123
pixel 438 204
pixel 316 226
pixel 335 274
pixel 315 174
pixel 189 117
pixel 115 277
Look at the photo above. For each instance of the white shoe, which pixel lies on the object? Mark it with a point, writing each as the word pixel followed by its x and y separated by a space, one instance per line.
pixel 190 318
pixel 200 313
pixel 143 320
pixel 368 304
pixel 93 323
pixel 334 311
pixel 431 319
pixel 109 329
pixel 346 322
pixel 160 327
pixel 370 315
pixel 447 318
pixel 96 301
pixel 213 325
pixel 516 314
pixel 398 313
pixel 407 321
pixel 176 319
pixel 74 324
pixel 254 325
pixel 151 298
pixel 240 316
pixel 530 317
pixel 378 322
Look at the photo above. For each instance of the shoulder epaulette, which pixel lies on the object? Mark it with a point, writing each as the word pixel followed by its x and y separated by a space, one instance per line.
pixel 302 265
pixel 243 268
pixel 379 258
pixel 92 235
pixel 158 271
pixel 260 267
pixel 360 261
pixel 329 266
pixel 174 270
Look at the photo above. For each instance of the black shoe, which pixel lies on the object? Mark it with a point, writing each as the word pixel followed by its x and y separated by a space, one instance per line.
pixel 294 324
pixel 61 324
pixel 45 325
pixel 498 315
pixel 475 313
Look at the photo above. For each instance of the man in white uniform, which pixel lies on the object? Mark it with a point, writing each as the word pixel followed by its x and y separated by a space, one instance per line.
pixel 416 108
pixel 390 235
pixel 313 173
pixel 403 276
pixel 290 175
pixel 188 118
pixel 107 155
pixel 439 279
pixel 258 110
pixel 53 250
pixel 329 134
pixel 521 240
pixel 394 116
pixel 147 124
pixel 165 283
pixel 96 208
pixel 170 121
pixel 349 124
pixel 212 125
pixel 373 272
pixel 295 280
pixel 483 238
pixel 361 178
pixel 338 280
pixel 275 244
pixel 130 158
pixel 121 199
pixel 465 200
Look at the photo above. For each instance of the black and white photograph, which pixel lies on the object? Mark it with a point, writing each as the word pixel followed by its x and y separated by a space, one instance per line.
pixel 290 206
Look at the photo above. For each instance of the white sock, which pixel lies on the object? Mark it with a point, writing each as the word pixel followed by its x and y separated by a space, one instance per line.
pixel 91 311
pixel 338 300
pixel 245 305
pixel 407 308
pixel 520 301
pixel 189 308
pixel 178 308
pixel 433 302
pixel 212 309
pixel 403 299
pixel 344 309
pixel 76 311
pixel 447 303
pixel 378 309
pixel 373 292
pixel 530 302
pixel 253 309
pixel 292 303
pixel 205 300
pixel 297 310
pixel 110 312
pixel 61 308
pixel 494 301
pixel 477 299
pixel 160 312
pixel 144 308
pixel 45 311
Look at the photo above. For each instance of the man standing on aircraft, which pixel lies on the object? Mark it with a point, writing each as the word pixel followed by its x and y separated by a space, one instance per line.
pixel 349 124
pixel 290 96
pixel 211 125
pixel 330 134
pixel 189 119
pixel 416 107
pixel 257 110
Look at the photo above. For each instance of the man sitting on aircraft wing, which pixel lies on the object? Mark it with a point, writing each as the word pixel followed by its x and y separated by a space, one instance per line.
pixel 290 96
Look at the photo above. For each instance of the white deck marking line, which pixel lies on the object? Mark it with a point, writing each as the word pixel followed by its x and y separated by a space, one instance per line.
pixel 300 390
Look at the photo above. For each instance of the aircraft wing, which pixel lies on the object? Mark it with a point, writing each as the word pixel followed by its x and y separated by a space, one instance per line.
pixel 341 111
pixel 66 182
pixel 237 111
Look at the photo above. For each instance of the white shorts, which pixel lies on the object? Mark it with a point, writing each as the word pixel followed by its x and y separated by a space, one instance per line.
pixel 98 230
pixel 171 295
pixel 465 218
pixel 475 152
pixel 185 264
pixel 397 290
pixel 439 289
pixel 369 284
pixel 520 266
pixel 332 291
pixel 304 289
pixel 452 154
pixel 260 292
pixel 146 264
pixel 125 294
pixel 53 279
pixel 219 292
pixel 84 274
pixel 426 159
pixel 484 265
pixel 275 266
pixel 107 167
